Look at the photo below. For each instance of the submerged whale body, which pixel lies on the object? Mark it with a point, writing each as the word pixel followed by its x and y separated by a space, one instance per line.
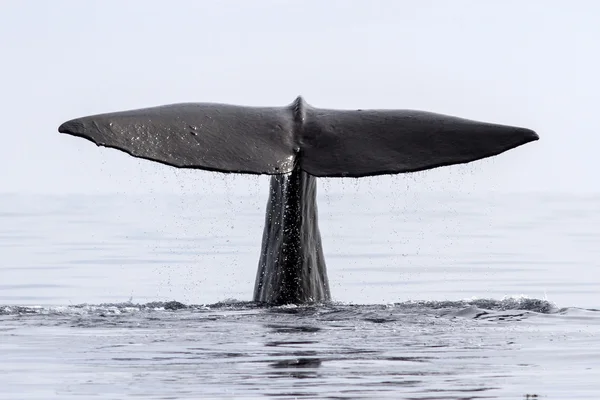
pixel 295 144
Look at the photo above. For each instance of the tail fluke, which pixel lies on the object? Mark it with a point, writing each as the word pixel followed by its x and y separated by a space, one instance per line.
pixel 374 142
pixel 326 143
pixel 216 137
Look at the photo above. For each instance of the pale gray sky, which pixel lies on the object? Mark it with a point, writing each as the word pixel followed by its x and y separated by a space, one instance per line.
pixel 527 63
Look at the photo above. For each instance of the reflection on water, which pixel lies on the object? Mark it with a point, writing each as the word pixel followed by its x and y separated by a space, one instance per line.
pixel 416 350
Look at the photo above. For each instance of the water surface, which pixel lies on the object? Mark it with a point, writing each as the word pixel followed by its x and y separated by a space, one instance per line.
pixel 437 296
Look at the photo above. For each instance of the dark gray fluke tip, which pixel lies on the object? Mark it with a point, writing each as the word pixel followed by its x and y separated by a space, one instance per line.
pixel 530 135
pixel 72 127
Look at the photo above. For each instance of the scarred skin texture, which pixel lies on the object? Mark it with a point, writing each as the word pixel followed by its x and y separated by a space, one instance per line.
pixel 296 144
pixel 292 267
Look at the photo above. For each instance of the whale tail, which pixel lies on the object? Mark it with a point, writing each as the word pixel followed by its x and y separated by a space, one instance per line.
pixel 275 140
pixel 295 144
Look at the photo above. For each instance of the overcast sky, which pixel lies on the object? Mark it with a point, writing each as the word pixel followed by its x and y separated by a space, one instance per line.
pixel 526 63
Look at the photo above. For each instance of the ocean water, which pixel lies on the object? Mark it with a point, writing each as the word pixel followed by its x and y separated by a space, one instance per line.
pixel 436 296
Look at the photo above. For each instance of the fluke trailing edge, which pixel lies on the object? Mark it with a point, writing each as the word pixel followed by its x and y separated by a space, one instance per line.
pixel 295 144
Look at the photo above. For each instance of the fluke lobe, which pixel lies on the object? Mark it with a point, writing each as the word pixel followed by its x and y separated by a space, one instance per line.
pixel 295 144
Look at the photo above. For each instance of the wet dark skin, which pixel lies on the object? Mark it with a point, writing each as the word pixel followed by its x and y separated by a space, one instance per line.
pixel 296 144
